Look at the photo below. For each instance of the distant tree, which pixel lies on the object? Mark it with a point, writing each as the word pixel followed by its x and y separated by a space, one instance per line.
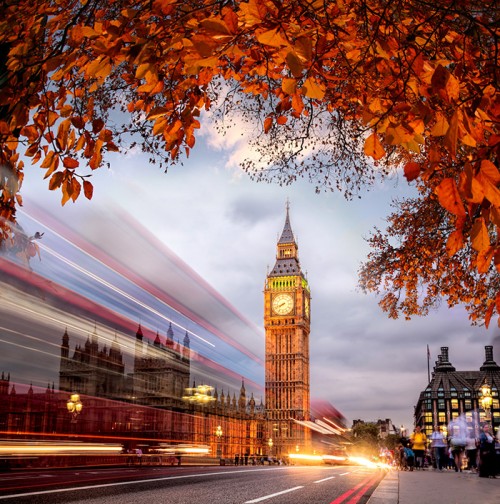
pixel 340 92
pixel 391 441
pixel 366 439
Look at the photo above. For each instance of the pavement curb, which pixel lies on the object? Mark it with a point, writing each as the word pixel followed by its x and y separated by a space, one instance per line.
pixel 387 491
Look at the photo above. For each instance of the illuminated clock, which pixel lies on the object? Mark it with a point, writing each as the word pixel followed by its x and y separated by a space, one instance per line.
pixel 283 304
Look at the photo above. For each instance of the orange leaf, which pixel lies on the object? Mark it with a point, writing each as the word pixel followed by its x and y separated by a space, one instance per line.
pixel 489 170
pixel 272 38
pixel 480 239
pixel 215 26
pixel 88 189
pixel 441 126
pixel 267 124
pixel 455 242
pixel 56 180
pixel 412 171
pixel 282 120
pixel 449 197
pixel 314 90
pixel 71 163
pixel 450 139
pixel 484 259
pixel 496 260
pixel 289 86
pixel 488 314
pixel 373 147
pixel 491 193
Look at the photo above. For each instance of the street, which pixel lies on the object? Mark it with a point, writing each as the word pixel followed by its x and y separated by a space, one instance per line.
pixel 193 485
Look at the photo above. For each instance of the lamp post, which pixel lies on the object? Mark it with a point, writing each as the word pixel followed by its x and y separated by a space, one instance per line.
pixel 486 400
pixel 74 406
pixel 218 433
pixel 270 444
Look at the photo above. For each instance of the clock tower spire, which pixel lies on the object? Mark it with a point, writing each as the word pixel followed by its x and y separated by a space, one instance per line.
pixel 287 327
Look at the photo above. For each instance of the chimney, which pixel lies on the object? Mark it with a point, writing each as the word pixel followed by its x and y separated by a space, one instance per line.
pixel 489 363
pixel 444 364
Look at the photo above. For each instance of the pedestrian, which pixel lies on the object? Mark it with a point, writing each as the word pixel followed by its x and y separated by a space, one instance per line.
pixel 138 453
pixel 409 457
pixel 486 453
pixel 458 441
pixel 471 449
pixel 438 445
pixel 418 442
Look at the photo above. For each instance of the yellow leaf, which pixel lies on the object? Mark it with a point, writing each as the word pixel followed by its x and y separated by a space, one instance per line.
pixel 373 147
pixel 272 38
pixel 441 125
pixel 480 239
pixel 313 89
pixel 289 86
pixel 449 197
pixel 250 12
pixel 141 71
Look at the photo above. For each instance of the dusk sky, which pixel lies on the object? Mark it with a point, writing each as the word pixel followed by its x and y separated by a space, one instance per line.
pixel 209 233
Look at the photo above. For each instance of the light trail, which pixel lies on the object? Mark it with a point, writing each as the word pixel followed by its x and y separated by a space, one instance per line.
pixel 123 270
pixel 119 291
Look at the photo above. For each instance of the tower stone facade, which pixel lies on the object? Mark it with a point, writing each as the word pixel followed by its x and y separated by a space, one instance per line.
pixel 287 326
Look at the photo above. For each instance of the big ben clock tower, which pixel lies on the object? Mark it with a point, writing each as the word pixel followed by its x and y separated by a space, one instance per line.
pixel 287 326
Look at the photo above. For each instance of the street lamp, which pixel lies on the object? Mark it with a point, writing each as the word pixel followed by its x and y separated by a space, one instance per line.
pixel 270 443
pixel 218 433
pixel 74 406
pixel 486 399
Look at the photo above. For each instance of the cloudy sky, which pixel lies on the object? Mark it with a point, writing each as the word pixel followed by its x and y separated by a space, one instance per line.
pixel 207 235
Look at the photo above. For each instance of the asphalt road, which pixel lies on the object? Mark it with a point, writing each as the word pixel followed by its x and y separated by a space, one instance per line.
pixel 193 485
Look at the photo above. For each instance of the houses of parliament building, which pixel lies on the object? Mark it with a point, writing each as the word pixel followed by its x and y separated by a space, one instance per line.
pixel 156 403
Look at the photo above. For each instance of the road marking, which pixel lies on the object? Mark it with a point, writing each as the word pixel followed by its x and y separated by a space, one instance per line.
pixel 122 483
pixel 324 479
pixel 364 485
pixel 273 495
pixel 343 474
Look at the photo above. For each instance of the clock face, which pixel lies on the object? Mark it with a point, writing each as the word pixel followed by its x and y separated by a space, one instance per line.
pixel 283 304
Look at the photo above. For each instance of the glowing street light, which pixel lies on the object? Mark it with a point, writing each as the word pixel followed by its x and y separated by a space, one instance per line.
pixel 486 399
pixel 270 444
pixel 218 433
pixel 74 406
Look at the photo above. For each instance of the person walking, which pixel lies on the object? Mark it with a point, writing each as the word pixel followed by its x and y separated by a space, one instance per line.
pixel 438 445
pixel 486 453
pixel 458 441
pixel 418 442
pixel 471 449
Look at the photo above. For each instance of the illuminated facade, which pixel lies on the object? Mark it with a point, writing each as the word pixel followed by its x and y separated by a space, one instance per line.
pixel 287 327
pixel 452 393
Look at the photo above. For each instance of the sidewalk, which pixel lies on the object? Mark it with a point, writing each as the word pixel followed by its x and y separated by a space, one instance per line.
pixel 434 487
